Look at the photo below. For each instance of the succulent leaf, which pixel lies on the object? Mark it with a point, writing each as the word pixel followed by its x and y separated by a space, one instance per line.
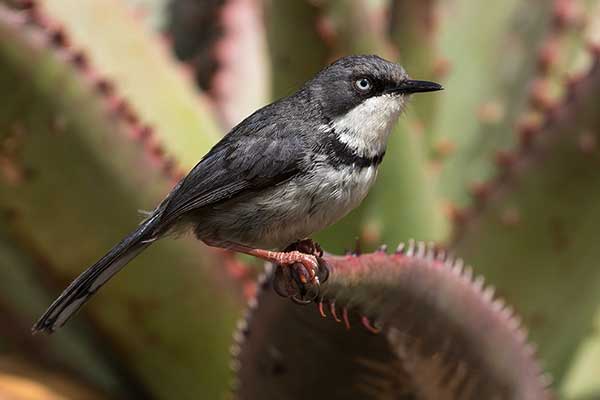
pixel 73 174
pixel 415 33
pixel 156 87
pixel 212 38
pixel 581 382
pixel 297 43
pixel 543 209
pixel 409 325
pixel 22 380
pixel 487 96
pixel 23 297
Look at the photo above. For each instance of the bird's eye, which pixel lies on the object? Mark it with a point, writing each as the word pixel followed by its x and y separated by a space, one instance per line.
pixel 363 84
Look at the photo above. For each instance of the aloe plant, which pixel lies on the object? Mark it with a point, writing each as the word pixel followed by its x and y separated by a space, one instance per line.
pixel 107 103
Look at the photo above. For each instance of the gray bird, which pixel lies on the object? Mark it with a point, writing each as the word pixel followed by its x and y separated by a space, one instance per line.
pixel 290 169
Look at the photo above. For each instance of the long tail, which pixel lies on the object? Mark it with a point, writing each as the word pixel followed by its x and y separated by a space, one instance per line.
pixel 86 284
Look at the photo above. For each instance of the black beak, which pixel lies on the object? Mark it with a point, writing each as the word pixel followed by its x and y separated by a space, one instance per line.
pixel 411 86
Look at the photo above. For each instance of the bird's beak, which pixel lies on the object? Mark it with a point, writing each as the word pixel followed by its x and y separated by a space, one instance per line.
pixel 411 86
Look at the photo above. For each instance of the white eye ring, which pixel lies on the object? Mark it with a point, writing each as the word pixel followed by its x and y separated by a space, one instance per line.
pixel 363 84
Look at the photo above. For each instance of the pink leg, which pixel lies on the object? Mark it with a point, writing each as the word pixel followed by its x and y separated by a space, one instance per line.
pixel 288 258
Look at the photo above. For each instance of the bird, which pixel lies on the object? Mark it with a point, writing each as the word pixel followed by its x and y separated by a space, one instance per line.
pixel 288 170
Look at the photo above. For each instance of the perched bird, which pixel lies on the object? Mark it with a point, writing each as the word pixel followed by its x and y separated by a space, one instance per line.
pixel 290 169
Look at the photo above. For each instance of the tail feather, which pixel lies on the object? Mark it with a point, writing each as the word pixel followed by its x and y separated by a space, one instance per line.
pixel 86 284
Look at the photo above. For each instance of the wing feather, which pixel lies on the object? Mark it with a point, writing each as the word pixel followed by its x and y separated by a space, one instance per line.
pixel 241 162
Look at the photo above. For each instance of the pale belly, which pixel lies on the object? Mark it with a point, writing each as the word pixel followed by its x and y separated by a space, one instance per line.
pixel 289 212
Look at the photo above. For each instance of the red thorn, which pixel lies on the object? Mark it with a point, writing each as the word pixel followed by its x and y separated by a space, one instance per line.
pixel 573 79
pixel 122 108
pixel 156 149
pixel 104 87
pixel 490 112
pixel 441 68
pixel 553 111
pixel 326 30
pixel 457 215
pixel 505 159
pixel 34 16
pixel 566 13
pixel 367 324
pixel 539 96
pixel 480 191
pixel 146 132
pixel 234 267
pixel 594 49
pixel 548 55
pixel 26 4
pixel 79 60
pixel 321 311
pixel 345 317
pixel 527 130
pixel 333 312
pixel 58 37
pixel 169 167
pixel 140 132
pixel 443 148
pixel 129 116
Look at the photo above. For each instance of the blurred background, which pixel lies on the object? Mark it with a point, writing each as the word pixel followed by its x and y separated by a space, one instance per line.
pixel 105 104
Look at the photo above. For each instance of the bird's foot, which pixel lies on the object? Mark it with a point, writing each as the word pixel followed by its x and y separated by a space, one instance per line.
pixel 301 273
pixel 309 246
pixel 300 268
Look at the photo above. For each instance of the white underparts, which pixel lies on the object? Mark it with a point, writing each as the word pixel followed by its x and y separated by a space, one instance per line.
pixel 366 127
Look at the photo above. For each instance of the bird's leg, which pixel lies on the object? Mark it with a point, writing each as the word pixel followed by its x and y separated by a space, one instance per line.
pixel 300 268
pixel 309 262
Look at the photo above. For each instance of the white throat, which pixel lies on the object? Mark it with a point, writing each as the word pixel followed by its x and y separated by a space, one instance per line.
pixel 366 127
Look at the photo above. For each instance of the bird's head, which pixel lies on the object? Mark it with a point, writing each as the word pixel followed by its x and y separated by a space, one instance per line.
pixel 353 80
pixel 363 96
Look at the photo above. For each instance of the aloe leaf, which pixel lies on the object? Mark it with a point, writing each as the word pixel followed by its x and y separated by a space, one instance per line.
pixel 491 51
pixel 409 325
pixel 414 31
pixel 125 52
pixel 23 297
pixel 21 380
pixel 152 12
pixel 581 382
pixel 543 209
pixel 297 47
pixel 74 173
pixel 212 37
pixel 358 27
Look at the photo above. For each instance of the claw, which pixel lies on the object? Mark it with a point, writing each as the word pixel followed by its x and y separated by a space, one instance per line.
pixel 307 294
pixel 321 309
pixel 300 271
pixel 300 301
pixel 333 312
pixel 283 282
pixel 323 271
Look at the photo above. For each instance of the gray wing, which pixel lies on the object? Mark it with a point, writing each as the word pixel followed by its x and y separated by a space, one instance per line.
pixel 243 161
